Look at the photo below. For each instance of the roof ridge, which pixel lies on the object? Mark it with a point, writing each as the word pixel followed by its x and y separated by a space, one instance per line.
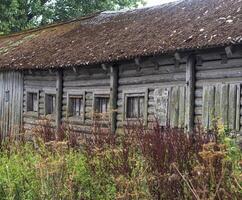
pixel 91 15
pixel 51 25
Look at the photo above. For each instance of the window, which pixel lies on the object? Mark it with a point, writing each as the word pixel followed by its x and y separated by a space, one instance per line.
pixel 135 107
pixel 101 104
pixel 32 102
pixel 76 106
pixel 50 104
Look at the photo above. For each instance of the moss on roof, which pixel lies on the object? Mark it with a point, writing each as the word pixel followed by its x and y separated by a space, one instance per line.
pixel 113 36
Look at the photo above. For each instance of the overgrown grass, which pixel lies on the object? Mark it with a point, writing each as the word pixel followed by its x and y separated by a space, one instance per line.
pixel 159 163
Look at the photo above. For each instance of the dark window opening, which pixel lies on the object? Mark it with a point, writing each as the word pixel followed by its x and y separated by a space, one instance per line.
pixel 50 104
pixel 75 106
pixel 101 104
pixel 135 107
pixel 32 102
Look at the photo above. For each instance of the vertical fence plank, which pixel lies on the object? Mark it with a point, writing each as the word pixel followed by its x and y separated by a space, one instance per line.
pixel 232 106
pixel 211 100
pixel 237 117
pixel 205 108
pixel 217 101
pixel 182 101
pixel 11 108
pixel 174 106
pixel 208 110
pixel 224 104
pixel 161 98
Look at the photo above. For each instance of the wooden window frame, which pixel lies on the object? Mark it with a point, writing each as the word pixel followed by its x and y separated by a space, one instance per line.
pixel 27 101
pixel 46 93
pixel 97 94
pixel 143 92
pixel 77 94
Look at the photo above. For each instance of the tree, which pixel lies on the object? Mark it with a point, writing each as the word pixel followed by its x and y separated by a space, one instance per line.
pixel 16 15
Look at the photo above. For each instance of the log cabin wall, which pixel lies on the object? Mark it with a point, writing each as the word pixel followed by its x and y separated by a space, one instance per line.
pixel 163 80
pixel 84 82
pixel 41 83
pixel 218 88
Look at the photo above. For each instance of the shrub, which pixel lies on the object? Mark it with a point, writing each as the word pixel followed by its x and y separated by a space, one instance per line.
pixel 137 163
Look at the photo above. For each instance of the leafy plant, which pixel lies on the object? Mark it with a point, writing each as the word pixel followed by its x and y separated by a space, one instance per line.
pixel 137 163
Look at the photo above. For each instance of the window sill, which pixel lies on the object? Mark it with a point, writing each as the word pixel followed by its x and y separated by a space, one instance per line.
pixel 31 114
pixel 133 121
pixel 50 116
pixel 75 118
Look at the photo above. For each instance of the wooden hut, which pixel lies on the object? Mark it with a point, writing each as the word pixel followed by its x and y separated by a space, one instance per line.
pixel 180 63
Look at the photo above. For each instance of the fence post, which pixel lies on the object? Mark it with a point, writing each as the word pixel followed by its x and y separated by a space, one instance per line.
pixel 190 92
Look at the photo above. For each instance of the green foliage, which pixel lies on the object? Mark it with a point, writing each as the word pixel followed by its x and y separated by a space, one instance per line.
pixel 16 15
pixel 135 164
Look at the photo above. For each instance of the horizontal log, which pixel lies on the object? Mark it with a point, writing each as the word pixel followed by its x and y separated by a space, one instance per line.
pixel 152 79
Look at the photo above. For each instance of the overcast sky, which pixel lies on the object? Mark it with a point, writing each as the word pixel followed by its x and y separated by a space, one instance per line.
pixel 157 2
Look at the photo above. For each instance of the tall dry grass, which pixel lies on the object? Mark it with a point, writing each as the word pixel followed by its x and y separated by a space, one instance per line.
pixel 137 163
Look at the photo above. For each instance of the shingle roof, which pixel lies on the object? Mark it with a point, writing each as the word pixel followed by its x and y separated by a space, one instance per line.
pixel 113 36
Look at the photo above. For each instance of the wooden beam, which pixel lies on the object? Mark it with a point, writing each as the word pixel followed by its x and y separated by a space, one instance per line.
pixel 30 71
pixel 224 58
pixel 104 67
pixel 50 71
pixel 74 69
pixel 177 63
pixel 155 63
pixel 137 61
pixel 229 51
pixel 177 56
pixel 59 93
pixel 113 96
pixel 199 61
pixel 190 89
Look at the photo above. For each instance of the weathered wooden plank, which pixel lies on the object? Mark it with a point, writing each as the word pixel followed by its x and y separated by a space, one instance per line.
pixel 198 110
pixel 216 64
pixel 215 54
pixel 174 106
pixel 151 71
pixel 200 83
pixel 85 83
pixel 10 108
pixel 217 101
pixel 59 92
pixel 152 78
pixel 190 92
pixel 208 106
pixel 113 96
pixel 224 73
pixel 158 84
pixel 224 103
pixel 182 102
pixel 211 101
pixel 237 117
pixel 205 107
pixel 161 97
pixel 232 106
